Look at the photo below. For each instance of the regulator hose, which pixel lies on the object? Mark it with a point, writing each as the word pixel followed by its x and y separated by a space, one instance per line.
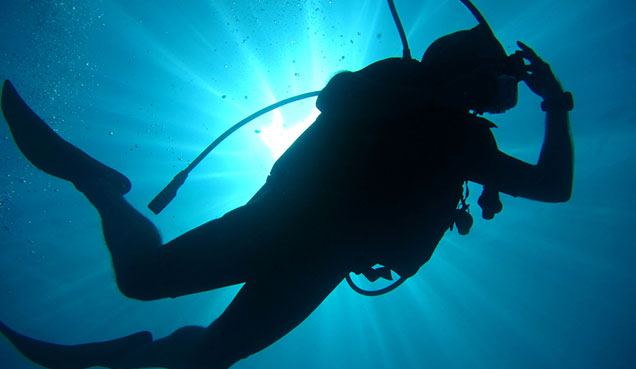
pixel 379 292
pixel 170 191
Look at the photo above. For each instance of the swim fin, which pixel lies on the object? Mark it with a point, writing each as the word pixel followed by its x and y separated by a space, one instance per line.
pixel 53 356
pixel 48 151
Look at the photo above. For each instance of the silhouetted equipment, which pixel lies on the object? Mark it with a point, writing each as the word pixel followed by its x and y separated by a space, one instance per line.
pixel 373 275
pixel 489 203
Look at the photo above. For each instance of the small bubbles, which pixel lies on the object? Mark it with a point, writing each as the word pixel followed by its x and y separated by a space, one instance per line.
pixel 111 133
pixel 223 96
pixel 379 35
pixel 257 131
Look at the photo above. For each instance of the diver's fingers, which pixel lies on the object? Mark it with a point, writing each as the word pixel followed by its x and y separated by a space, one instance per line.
pixel 525 76
pixel 525 47
pixel 532 57
pixel 528 53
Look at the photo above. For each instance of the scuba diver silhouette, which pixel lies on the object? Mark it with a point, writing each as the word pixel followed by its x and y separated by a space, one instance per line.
pixel 377 179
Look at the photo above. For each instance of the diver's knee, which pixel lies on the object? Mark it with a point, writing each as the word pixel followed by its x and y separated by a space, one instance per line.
pixel 138 294
pixel 140 289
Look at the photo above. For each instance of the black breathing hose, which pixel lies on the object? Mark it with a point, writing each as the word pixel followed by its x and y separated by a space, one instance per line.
pixel 170 191
pixel 379 292
pixel 406 52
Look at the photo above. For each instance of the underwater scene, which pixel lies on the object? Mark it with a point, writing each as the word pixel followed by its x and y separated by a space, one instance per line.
pixel 145 86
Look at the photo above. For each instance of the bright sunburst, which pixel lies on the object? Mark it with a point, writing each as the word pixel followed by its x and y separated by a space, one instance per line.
pixel 279 135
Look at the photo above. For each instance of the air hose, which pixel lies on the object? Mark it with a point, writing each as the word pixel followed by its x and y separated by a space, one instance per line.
pixel 379 292
pixel 170 191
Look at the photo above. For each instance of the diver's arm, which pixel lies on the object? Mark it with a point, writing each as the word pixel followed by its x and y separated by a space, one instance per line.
pixel 556 158
pixel 550 180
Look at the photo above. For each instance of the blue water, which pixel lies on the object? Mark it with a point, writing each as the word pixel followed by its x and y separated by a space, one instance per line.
pixel 145 86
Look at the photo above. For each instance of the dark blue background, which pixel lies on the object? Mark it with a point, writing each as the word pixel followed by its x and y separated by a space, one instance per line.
pixel 145 85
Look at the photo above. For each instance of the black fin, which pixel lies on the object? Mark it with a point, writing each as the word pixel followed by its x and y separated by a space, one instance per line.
pixel 56 356
pixel 48 151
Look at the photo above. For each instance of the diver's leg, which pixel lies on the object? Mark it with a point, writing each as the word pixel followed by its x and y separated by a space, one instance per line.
pixel 219 253
pixel 263 311
pixel 267 309
pixel 134 242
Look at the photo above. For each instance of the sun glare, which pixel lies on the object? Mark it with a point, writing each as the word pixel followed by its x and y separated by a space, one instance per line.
pixel 284 129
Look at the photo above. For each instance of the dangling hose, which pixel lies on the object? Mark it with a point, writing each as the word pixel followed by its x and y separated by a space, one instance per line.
pixel 406 52
pixel 379 292
pixel 473 9
pixel 170 191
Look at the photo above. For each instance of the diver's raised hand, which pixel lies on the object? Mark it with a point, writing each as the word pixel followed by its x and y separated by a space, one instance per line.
pixel 538 75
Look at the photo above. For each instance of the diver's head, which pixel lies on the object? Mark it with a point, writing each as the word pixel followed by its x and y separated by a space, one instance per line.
pixel 470 70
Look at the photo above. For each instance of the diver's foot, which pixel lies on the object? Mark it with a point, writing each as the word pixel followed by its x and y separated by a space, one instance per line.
pixel 48 151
